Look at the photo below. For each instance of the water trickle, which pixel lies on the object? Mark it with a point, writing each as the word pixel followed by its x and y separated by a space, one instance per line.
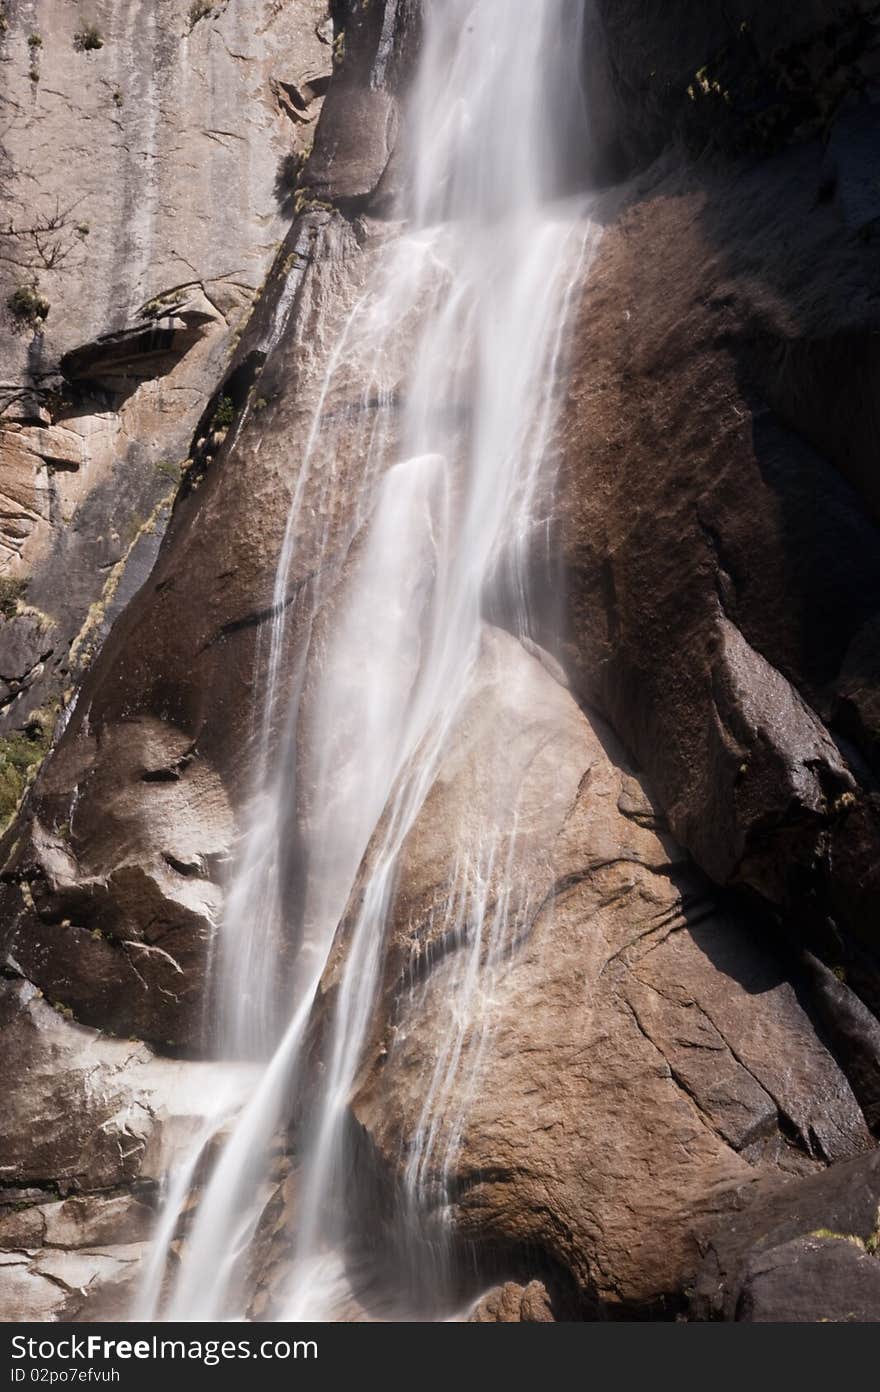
pixel 459 334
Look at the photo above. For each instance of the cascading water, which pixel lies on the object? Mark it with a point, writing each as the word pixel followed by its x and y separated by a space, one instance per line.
pixel 479 284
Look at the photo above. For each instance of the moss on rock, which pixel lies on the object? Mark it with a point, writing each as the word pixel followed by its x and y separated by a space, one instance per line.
pixel 11 591
pixel 21 754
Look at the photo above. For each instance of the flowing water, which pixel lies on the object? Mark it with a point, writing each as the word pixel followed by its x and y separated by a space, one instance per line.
pixel 450 486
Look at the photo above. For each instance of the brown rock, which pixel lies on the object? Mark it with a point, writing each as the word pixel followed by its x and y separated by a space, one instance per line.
pixel 135 810
pixel 89 1127
pixel 717 563
pixel 806 1251
pixel 812 1280
pixel 356 135
pixel 513 1304
pixel 88 1113
pixel 80 1221
pixel 157 171
pixel 58 1286
pixel 651 1067
pixel 646 1061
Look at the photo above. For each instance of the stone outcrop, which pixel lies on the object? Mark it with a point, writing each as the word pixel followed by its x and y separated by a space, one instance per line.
pixel 805 1252
pixel 88 1131
pixel 149 174
pixel 719 550
pixel 654 1059
pixel 164 744
pixel 513 1304
pixel 352 163
pixel 673 1082
pixel 178 720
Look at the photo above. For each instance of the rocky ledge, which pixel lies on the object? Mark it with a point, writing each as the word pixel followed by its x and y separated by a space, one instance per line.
pixel 676 1109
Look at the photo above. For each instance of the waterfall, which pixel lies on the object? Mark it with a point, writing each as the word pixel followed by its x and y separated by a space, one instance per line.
pixel 471 293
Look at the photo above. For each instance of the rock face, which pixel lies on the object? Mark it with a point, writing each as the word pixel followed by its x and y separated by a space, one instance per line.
pixel 150 161
pixel 179 721
pixel 178 714
pixel 681 424
pixel 167 135
pixel 793 1283
pixel 352 162
pixel 734 75
pixel 806 1252
pixel 653 1059
pixel 513 1304
pixel 89 1128
pixel 663 1072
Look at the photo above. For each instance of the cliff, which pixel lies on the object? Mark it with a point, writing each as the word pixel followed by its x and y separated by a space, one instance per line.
pixel 685 1098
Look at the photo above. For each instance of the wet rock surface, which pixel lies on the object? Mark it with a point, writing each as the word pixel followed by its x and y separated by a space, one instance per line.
pixel 351 164
pixel 87 1134
pixel 655 1062
pixel 669 1083
pixel 157 756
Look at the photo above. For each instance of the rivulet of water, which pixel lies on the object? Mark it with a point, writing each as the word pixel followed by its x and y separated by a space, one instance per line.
pixel 479 279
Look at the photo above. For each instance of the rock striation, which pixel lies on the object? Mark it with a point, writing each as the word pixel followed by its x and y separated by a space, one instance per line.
pixel 662 1098
pixel 149 176
pixel 655 1060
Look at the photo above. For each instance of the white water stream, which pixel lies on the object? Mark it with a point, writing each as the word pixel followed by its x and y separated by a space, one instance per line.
pixel 482 276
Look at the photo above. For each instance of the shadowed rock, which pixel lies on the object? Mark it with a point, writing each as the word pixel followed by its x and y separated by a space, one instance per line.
pixel 807 1251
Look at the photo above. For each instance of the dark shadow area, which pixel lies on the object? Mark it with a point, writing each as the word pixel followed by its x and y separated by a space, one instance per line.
pixel 290 166
pixel 831 550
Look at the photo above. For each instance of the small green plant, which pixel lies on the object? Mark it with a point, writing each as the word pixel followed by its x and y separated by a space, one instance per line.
pixel 28 306
pixel 224 414
pixel 58 403
pixel 20 755
pixel 88 39
pixel 304 203
pixel 199 9
pixel 170 470
pixel 296 163
pixel 11 592
pixel 160 305
pixel 34 41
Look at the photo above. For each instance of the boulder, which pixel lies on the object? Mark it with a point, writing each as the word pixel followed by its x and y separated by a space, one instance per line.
pixel 812 1280
pixel 719 560
pixel 154 173
pixel 513 1304
pixel 351 163
pixel 90 1128
pixel 805 1251
pixel 626 1057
